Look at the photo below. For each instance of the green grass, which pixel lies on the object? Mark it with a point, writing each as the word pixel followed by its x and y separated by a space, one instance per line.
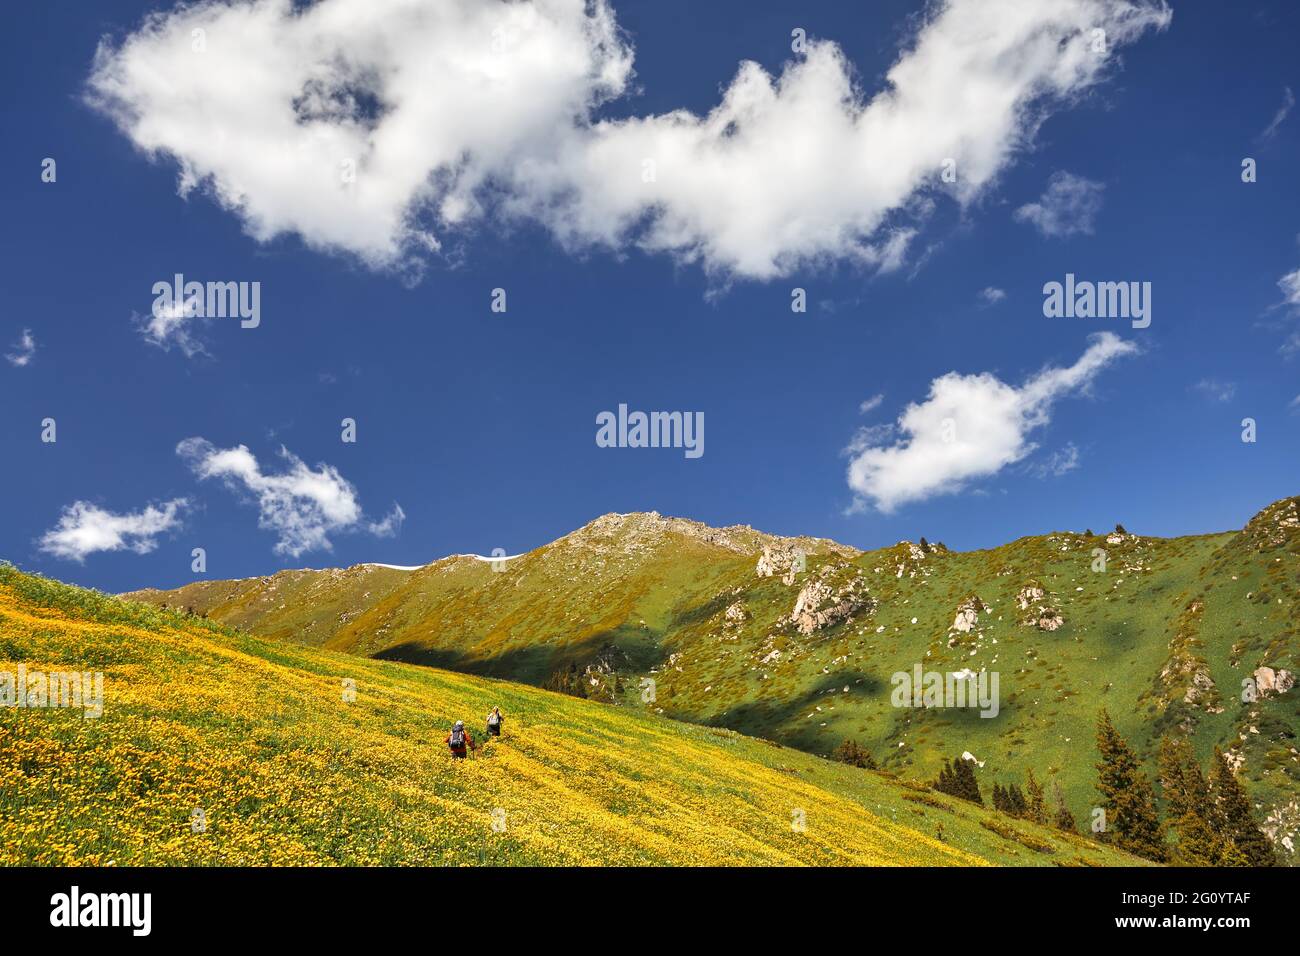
pixel 659 591
pixel 257 734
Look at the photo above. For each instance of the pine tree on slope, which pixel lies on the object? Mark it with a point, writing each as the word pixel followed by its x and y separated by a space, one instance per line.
pixel 957 779
pixel 1062 817
pixel 1127 798
pixel 1233 808
pixel 1017 805
pixel 1036 809
pixel 1187 802
pixel 964 771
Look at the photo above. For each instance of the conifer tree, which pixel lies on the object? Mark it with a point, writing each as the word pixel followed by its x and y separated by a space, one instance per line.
pixel 1016 804
pixel 1232 856
pixel 1198 844
pixel 945 782
pixel 1037 809
pixel 1232 807
pixel 1172 760
pixel 1062 817
pixel 1131 819
pixel 1194 818
pixel 957 779
pixel 964 771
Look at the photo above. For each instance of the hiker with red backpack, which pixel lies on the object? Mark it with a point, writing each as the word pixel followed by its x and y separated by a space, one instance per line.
pixel 458 739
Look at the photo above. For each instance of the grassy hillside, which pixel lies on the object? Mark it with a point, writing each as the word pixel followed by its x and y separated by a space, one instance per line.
pixel 1162 634
pixel 258 735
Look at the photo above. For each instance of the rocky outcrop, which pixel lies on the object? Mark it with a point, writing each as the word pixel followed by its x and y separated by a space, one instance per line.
pixel 785 560
pixel 1201 690
pixel 1038 610
pixel 968 614
pixel 1048 619
pixel 1282 827
pixel 909 558
pixel 1275 525
pixel 1186 669
pixel 1269 682
pixel 1029 595
pixel 824 603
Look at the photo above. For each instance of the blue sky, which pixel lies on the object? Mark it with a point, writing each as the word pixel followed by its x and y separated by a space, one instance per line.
pixel 481 425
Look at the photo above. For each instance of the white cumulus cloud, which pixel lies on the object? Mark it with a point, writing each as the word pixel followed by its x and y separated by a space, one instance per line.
pixel 85 528
pixel 302 505
pixel 385 128
pixel 969 427
pixel 1069 207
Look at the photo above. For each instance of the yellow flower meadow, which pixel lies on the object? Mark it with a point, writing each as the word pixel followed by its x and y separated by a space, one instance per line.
pixel 218 748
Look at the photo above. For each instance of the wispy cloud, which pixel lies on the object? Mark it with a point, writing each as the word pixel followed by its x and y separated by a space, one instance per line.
pixel 1290 286
pixel 390 525
pixel 85 528
pixel 992 295
pixel 970 427
pixel 871 404
pixel 1216 390
pixel 1288 104
pixel 1069 207
pixel 24 350
pixel 1058 463
pixel 302 505
pixel 172 326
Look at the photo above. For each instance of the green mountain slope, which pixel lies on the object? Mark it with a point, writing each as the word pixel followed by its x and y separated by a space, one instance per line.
pixel 217 747
pixel 1162 633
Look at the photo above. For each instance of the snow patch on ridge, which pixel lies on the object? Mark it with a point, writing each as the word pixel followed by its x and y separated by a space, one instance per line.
pixel 416 567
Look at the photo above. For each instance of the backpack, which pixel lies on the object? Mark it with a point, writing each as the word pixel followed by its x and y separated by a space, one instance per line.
pixel 494 719
pixel 457 739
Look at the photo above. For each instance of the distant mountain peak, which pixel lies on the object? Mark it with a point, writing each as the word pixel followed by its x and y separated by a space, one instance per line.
pixel 651 527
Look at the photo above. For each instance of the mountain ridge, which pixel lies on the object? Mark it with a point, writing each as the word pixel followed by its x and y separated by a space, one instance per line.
pixel 797 639
pixel 215 747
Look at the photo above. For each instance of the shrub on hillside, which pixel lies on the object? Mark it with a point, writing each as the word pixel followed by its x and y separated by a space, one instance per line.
pixel 567 680
pixel 850 753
